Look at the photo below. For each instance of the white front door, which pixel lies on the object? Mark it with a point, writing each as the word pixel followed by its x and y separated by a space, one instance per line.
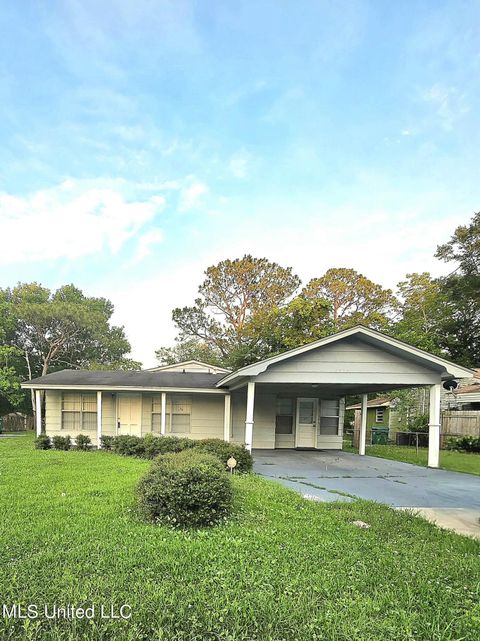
pixel 306 422
pixel 129 412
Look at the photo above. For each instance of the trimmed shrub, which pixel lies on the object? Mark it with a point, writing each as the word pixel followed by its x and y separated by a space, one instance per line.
pixel 43 442
pixel 223 451
pixel 107 442
pixel 61 442
pixel 155 445
pixel 128 445
pixel 187 489
pixel 465 444
pixel 83 442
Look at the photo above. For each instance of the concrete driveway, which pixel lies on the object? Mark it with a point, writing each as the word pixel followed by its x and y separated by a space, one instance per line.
pixel 450 499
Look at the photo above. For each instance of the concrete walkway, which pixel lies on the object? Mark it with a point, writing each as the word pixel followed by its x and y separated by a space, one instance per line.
pixel 450 499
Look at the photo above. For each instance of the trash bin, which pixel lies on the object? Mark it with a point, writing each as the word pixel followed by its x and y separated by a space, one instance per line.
pixel 379 435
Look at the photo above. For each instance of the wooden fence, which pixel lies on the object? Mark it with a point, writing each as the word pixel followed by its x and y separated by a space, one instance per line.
pixel 461 423
pixel 17 423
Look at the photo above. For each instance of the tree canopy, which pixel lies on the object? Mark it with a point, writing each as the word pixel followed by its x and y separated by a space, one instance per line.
pixel 43 330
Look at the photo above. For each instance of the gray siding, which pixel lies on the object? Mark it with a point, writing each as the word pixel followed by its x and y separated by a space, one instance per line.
pixel 348 361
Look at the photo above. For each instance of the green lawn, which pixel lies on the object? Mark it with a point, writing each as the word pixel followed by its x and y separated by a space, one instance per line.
pixel 449 460
pixel 282 569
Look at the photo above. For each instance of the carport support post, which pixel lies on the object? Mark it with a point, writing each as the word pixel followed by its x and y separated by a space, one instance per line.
pixel 249 416
pixel 363 426
pixel 434 426
pixel 38 411
pixel 99 419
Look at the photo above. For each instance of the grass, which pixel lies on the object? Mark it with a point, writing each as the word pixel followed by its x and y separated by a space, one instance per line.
pixel 283 569
pixel 449 460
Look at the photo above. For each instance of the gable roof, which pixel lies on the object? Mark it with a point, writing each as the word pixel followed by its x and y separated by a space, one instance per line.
pixel 382 340
pixel 468 389
pixel 189 365
pixel 108 379
pixel 374 402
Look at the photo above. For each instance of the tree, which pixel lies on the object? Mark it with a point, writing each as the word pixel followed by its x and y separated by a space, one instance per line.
pixel 232 294
pixel 354 299
pixel 460 324
pixel 11 395
pixel 421 307
pixel 187 350
pixel 464 247
pixel 65 328
pixel 301 321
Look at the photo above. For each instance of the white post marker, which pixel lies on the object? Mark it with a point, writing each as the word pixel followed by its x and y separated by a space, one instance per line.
pixel 434 426
pixel 99 419
pixel 226 418
pixel 363 426
pixel 38 411
pixel 163 417
pixel 249 417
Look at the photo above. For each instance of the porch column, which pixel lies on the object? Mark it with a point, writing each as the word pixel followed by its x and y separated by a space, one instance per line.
pixel 363 426
pixel 434 426
pixel 99 419
pixel 38 411
pixel 226 418
pixel 249 416
pixel 163 416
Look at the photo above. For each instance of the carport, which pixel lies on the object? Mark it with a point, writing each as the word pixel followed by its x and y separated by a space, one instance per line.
pixel 357 361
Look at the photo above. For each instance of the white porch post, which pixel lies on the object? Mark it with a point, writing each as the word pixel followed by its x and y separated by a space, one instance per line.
pixel 38 411
pixel 363 426
pixel 434 426
pixel 163 416
pixel 99 419
pixel 249 416
pixel 226 418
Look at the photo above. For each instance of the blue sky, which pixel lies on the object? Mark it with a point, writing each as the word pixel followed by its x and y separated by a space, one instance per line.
pixel 143 140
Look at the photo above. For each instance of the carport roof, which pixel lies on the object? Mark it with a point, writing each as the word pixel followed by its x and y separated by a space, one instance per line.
pixel 448 369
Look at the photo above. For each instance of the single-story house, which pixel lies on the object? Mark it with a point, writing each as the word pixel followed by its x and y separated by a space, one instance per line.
pixel 291 400
pixel 379 412
pixel 467 397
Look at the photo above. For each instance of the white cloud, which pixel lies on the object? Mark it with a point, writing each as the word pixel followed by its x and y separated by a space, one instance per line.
pixel 145 244
pixel 191 196
pixel 239 163
pixel 71 220
pixel 450 104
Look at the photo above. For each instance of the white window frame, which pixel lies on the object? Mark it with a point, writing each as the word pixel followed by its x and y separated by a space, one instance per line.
pixel 174 402
pixel 379 411
pixel 81 412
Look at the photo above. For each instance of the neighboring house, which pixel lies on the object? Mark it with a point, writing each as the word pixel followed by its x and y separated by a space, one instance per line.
pixel 291 400
pixel 380 413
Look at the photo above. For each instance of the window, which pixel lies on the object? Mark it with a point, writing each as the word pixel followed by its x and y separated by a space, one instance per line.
pixel 379 414
pixel 180 413
pixel 79 411
pixel 329 417
pixel 284 417
pixel 156 413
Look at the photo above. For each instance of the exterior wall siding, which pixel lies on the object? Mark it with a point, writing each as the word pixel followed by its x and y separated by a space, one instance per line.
pixel 350 361
pixel 206 419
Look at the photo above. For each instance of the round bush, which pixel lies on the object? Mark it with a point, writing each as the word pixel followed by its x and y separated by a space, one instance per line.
pixel 223 451
pixel 43 442
pixel 82 442
pixel 187 489
pixel 61 442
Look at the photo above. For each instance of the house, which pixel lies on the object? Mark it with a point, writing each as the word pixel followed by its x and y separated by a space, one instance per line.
pixel 380 413
pixel 291 400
